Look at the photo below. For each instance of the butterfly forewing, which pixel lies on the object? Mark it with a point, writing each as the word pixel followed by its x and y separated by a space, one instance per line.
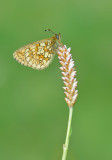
pixel 37 55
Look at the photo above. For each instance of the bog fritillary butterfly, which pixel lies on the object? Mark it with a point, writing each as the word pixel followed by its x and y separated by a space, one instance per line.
pixel 38 55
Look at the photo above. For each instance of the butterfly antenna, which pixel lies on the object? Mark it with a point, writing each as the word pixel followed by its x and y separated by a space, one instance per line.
pixel 50 31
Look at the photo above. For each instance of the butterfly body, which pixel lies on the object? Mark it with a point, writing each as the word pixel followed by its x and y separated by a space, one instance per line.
pixel 38 55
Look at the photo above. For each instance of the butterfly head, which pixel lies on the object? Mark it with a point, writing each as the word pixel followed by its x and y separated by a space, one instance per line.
pixel 56 36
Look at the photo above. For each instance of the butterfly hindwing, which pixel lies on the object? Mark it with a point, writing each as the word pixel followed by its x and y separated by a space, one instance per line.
pixel 37 55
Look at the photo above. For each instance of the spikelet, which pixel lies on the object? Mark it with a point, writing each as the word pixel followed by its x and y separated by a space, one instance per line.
pixel 69 73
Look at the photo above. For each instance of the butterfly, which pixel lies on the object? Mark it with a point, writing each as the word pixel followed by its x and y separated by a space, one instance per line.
pixel 38 55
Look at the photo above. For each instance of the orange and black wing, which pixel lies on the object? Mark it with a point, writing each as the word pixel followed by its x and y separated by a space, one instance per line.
pixel 37 55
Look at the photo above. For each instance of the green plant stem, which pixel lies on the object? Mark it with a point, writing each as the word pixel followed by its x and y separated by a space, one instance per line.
pixel 65 146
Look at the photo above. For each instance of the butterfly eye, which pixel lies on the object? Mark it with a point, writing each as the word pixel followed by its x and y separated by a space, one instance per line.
pixel 57 36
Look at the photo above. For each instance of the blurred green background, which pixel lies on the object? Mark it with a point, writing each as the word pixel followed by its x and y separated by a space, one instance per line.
pixel 33 113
